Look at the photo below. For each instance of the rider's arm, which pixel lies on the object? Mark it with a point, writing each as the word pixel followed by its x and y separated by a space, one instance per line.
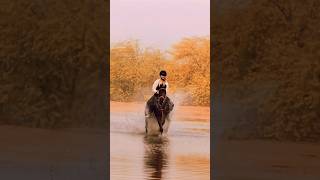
pixel 154 86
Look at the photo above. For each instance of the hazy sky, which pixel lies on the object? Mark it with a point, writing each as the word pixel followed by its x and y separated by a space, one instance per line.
pixel 158 23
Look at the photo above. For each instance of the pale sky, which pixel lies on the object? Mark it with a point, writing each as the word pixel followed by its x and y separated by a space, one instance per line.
pixel 158 23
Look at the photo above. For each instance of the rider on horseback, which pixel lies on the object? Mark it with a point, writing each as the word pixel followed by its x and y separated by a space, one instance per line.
pixel 159 104
pixel 158 84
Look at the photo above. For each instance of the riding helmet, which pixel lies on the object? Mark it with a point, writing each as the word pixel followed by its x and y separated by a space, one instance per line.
pixel 163 73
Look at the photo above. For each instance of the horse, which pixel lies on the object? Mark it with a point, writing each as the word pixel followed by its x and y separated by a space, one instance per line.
pixel 160 106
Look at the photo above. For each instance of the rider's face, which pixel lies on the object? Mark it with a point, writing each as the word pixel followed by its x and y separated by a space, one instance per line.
pixel 163 77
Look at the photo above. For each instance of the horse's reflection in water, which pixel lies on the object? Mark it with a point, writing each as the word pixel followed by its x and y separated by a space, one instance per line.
pixel 156 156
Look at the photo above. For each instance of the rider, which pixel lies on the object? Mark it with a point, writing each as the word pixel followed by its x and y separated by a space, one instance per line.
pixel 158 84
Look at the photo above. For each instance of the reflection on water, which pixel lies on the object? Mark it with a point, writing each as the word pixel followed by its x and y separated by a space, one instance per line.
pixel 182 153
pixel 156 156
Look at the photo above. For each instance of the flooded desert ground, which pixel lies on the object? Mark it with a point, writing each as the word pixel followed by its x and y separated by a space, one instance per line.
pixel 182 153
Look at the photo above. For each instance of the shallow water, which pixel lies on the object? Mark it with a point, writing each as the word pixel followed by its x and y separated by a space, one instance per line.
pixel 182 153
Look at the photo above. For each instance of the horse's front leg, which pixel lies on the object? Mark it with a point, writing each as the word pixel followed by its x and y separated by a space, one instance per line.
pixel 146 126
pixel 163 119
pixel 160 124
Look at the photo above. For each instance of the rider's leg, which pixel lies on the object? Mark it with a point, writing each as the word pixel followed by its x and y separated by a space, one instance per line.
pixel 147 109
pixel 150 103
pixel 160 127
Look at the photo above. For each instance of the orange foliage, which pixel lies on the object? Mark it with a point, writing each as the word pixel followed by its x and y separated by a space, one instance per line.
pixel 133 70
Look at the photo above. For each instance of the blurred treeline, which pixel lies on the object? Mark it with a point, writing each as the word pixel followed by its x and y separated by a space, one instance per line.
pixel 269 64
pixel 53 63
pixel 133 70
